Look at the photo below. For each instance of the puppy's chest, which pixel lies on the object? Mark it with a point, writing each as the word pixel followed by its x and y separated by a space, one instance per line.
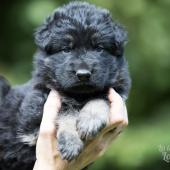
pixel 74 105
pixel 70 105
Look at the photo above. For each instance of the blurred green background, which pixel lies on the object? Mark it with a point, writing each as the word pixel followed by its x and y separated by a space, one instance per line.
pixel 148 53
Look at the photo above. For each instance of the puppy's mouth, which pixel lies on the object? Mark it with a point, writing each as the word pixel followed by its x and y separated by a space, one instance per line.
pixel 83 88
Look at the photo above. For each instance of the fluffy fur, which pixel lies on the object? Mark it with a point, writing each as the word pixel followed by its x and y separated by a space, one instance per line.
pixel 77 38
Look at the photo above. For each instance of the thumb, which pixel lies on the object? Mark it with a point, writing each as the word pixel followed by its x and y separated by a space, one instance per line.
pixel 46 143
pixel 51 109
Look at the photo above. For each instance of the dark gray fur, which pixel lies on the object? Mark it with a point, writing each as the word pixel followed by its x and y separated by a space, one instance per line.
pixel 76 36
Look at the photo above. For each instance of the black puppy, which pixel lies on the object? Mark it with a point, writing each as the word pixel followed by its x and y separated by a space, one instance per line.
pixel 80 54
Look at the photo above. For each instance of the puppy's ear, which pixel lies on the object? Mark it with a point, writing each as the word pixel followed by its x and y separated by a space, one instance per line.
pixel 120 34
pixel 42 35
pixel 120 39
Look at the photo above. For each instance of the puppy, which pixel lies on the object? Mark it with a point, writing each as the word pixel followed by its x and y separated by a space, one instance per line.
pixel 81 55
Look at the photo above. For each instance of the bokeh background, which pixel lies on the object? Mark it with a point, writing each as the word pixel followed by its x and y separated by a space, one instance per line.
pixel 148 53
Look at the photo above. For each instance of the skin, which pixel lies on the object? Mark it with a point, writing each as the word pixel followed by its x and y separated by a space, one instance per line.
pixel 48 157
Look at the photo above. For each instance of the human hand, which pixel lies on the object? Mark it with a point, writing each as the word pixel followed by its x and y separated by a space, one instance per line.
pixel 48 157
pixel 118 120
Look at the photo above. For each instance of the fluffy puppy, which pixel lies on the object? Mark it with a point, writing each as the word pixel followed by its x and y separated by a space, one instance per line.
pixel 81 55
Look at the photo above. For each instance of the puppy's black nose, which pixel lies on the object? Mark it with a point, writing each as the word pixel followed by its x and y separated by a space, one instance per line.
pixel 83 74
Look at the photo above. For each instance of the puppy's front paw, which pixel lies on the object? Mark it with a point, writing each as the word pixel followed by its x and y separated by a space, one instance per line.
pixel 92 119
pixel 88 127
pixel 69 145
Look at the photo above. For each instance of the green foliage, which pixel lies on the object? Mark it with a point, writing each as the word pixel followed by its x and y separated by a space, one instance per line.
pixel 147 22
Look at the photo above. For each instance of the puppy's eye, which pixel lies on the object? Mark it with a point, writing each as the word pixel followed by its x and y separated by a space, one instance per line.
pixel 117 50
pixel 115 46
pixel 67 50
pixel 99 49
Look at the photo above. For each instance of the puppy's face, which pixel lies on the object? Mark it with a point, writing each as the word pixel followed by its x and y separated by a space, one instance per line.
pixel 81 49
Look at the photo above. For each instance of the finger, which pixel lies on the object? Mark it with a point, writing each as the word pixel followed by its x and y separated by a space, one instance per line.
pixel 114 96
pixel 118 114
pixel 52 105
pixel 46 144
pixel 51 109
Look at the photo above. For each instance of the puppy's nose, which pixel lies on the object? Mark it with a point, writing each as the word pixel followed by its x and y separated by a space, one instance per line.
pixel 83 74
